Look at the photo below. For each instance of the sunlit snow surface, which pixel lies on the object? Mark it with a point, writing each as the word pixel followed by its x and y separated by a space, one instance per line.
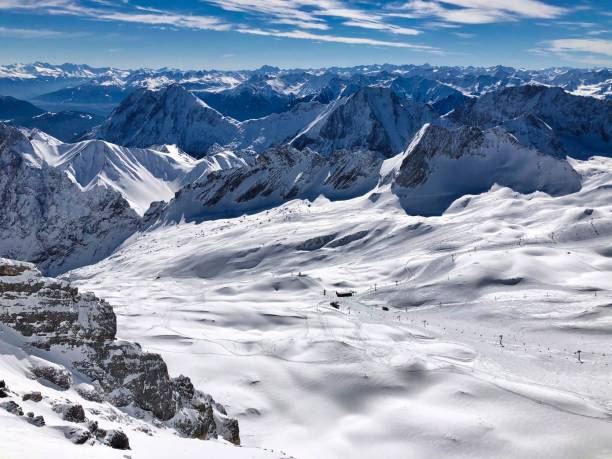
pixel 238 305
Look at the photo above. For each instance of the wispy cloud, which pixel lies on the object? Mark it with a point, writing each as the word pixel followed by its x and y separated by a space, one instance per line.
pixel 581 45
pixel 591 51
pixel 10 32
pixel 477 11
pixel 304 35
pixel 301 16
pixel 314 13
pixel 375 25
pixel 464 34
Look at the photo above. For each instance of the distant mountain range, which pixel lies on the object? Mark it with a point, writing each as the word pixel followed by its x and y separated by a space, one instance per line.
pixel 66 125
pixel 251 94
pixel 165 155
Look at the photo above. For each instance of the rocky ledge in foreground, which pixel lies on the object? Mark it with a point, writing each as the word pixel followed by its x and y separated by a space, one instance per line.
pixel 78 331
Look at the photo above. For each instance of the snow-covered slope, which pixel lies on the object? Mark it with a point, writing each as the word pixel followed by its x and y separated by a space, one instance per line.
pixel 583 124
pixel 373 118
pixel 48 219
pixel 169 116
pixel 277 128
pixel 530 130
pixel 140 176
pixel 477 254
pixel 63 365
pixel 272 178
pixel 244 303
pixel 441 165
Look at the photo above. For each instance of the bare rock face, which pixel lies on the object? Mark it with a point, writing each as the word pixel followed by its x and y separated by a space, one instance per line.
pixel 52 315
pixel 3 389
pixel 116 439
pixel 373 118
pixel 277 175
pixel 51 312
pixel 580 126
pixel 442 164
pixel 77 435
pixel 47 219
pixel 34 396
pixel 72 412
pixel 12 407
pixel 37 421
pixel 171 115
pixel 55 374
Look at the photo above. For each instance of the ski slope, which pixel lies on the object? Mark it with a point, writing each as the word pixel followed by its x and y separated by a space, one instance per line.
pixel 242 305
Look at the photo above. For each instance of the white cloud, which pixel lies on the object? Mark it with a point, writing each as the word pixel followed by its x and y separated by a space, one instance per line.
pixel 166 18
pixel 581 45
pixel 10 32
pixel 464 34
pixel 373 25
pixel 591 51
pixel 304 35
pixel 304 15
pixel 478 11
pixel 312 14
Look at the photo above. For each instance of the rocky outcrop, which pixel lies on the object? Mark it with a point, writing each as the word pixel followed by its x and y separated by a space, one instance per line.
pixel 51 315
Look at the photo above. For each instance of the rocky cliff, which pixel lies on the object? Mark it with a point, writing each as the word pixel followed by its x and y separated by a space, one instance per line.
pixel 75 335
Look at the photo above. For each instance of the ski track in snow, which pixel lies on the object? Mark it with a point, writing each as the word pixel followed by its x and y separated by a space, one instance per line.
pixel 234 304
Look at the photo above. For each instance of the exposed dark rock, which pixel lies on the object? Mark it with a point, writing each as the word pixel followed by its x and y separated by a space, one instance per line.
pixel 373 118
pixel 275 176
pixel 148 384
pixel 316 243
pixel 197 423
pixel 37 421
pixel 54 374
pixel 70 412
pixel 344 240
pixel 184 387
pixel 229 430
pixel 10 270
pixel 116 439
pixel 47 219
pixel 77 435
pixel 92 393
pixel 34 396
pixel 52 315
pixel 12 408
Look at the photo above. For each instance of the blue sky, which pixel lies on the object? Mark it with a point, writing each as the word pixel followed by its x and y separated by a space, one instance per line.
pixel 241 34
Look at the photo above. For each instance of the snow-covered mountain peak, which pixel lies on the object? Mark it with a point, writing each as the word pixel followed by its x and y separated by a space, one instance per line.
pixel 15 147
pixel 373 118
pixel 47 218
pixel 582 124
pixel 442 164
pixel 141 176
pixel 169 115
